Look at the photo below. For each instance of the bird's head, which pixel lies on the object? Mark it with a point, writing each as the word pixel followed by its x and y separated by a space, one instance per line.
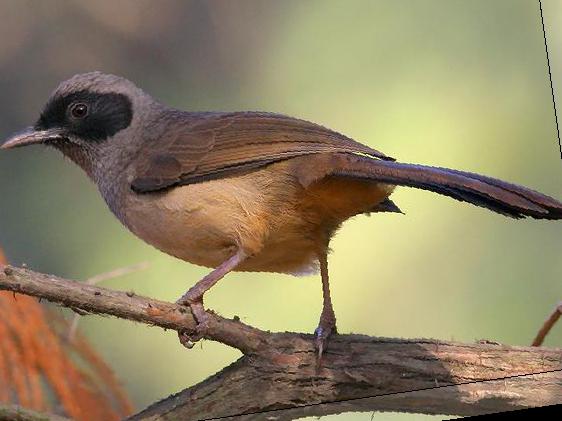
pixel 83 115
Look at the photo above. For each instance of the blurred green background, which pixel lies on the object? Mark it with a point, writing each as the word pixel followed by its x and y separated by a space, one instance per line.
pixel 461 84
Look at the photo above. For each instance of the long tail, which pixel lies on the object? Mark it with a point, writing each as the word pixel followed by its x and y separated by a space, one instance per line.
pixel 497 195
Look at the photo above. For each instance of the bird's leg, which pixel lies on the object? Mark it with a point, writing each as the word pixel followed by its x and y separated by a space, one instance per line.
pixel 327 324
pixel 194 297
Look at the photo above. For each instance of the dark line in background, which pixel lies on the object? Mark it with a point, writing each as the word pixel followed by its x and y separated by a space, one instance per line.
pixel 550 78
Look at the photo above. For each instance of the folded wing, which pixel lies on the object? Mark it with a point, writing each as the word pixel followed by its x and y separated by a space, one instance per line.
pixel 202 146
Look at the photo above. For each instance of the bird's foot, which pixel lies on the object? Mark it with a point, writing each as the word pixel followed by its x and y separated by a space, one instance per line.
pixel 326 327
pixel 189 338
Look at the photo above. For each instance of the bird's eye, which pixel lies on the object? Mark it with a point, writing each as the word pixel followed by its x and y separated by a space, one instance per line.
pixel 79 110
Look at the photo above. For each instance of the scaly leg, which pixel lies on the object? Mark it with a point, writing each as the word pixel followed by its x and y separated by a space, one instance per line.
pixel 327 324
pixel 194 297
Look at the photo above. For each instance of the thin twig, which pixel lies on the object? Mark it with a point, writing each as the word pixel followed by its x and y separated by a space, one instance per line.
pixel 116 273
pixel 548 325
pixel 94 280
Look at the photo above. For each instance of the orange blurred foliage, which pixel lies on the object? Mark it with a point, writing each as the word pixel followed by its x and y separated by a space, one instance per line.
pixel 40 369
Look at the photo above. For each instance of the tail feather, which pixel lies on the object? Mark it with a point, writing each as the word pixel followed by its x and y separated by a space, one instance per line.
pixel 497 195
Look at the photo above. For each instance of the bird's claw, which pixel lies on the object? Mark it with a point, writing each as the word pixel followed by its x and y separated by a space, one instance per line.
pixel 186 339
pixel 190 338
pixel 320 341
pixel 322 333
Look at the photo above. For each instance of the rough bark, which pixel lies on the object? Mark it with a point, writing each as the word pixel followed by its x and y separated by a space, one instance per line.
pixel 17 413
pixel 422 376
pixel 279 374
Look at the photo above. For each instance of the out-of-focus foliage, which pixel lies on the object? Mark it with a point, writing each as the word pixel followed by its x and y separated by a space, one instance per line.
pixel 42 369
pixel 449 83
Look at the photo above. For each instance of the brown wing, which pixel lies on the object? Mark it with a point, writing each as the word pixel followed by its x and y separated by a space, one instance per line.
pixel 200 146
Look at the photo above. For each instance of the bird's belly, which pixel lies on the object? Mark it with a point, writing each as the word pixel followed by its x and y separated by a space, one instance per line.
pixel 267 214
pixel 183 223
pixel 198 235
pixel 206 223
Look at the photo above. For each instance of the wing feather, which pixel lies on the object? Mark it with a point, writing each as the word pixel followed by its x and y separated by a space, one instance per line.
pixel 199 146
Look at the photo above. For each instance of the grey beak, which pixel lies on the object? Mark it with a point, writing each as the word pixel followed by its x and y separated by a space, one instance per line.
pixel 30 136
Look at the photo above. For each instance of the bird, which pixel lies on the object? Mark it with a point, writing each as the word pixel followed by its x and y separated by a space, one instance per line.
pixel 240 191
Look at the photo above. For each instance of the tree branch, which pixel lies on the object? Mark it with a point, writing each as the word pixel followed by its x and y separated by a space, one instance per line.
pixel 17 413
pixel 359 373
pixel 127 305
